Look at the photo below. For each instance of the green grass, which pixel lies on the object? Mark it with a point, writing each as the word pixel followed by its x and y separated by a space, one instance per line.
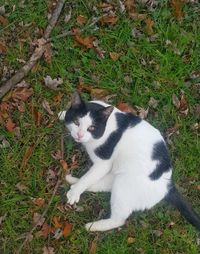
pixel 157 70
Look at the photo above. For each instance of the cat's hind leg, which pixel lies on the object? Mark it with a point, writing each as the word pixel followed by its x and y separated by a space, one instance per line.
pixel 121 207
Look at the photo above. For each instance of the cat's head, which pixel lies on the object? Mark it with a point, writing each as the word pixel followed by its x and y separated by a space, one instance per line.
pixel 86 121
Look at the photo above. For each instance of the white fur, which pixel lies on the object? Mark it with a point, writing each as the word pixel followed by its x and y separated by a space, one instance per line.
pixel 125 174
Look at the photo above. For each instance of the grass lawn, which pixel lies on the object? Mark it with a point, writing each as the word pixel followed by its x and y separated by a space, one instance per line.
pixel 147 53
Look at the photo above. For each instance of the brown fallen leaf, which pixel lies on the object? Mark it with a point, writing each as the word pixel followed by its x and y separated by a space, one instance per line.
pixel 198 187
pixel 45 230
pixel 38 201
pixel 3 21
pixel 52 83
pixel 21 187
pixel 153 103
pixel 3 48
pixel 130 7
pixel 80 19
pixel 9 125
pixel 125 107
pixel 149 26
pixel 52 176
pixel 130 240
pixel 95 92
pixel 64 165
pixel 46 106
pixel 38 219
pixel 57 155
pixel 180 104
pixel 57 98
pixel 2 218
pixel 37 117
pixel 48 250
pixel 177 6
pixel 27 156
pixel 115 56
pixel 108 19
pixel 93 247
pixel 48 53
pixel 22 93
pixel 85 41
pixel 56 222
pixel 67 228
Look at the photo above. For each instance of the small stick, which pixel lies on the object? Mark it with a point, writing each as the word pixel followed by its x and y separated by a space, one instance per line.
pixel 37 54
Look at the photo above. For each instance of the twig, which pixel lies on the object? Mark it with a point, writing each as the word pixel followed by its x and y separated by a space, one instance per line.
pixel 37 54
pixel 49 203
pixel 67 33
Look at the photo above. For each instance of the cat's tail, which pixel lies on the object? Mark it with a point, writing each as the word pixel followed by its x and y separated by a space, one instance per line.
pixel 177 200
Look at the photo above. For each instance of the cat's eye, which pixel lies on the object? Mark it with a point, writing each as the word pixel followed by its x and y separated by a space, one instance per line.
pixel 76 121
pixel 91 128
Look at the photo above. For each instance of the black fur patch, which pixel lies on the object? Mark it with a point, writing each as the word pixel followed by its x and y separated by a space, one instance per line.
pixel 124 121
pixel 160 153
pixel 74 113
pixel 97 121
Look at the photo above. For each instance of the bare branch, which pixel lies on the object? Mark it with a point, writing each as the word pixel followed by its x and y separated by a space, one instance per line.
pixel 37 54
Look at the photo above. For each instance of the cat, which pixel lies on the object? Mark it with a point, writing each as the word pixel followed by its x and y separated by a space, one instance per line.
pixel 130 160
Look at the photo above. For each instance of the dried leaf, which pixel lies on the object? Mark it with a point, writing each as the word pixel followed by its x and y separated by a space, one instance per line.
pixel 130 240
pixel 38 219
pixel 22 93
pixel 130 7
pixel 37 117
pixel 183 108
pixel 9 125
pixel 85 41
pixel 125 107
pixel 198 187
pixel 108 19
pixel 142 113
pixel 46 106
pixel 177 6
pixel 48 53
pixel 52 176
pixel 57 98
pixel 52 83
pixel 67 229
pixel 2 218
pixel 2 10
pixel 64 165
pixel 38 201
pixel 175 101
pixel 21 187
pixel 27 156
pixel 153 103
pixel 46 230
pixel 115 56
pixel 149 26
pixel 98 93
pixel 157 233
pixel 3 21
pixel 56 222
pixel 93 248
pixel 81 19
pixel 57 155
pixel 48 250
pixel 3 48
pixel 68 17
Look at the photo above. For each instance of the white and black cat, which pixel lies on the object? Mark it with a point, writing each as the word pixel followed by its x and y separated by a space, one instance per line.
pixel 130 160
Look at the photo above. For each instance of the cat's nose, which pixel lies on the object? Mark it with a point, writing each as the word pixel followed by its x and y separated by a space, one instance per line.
pixel 80 134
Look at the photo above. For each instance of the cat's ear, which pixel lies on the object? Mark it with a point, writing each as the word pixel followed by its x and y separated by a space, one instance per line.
pixel 76 101
pixel 106 112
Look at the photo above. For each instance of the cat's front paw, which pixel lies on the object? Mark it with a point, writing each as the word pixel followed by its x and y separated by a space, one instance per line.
pixel 73 195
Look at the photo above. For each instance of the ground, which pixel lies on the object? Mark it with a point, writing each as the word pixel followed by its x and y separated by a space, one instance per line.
pixel 147 56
